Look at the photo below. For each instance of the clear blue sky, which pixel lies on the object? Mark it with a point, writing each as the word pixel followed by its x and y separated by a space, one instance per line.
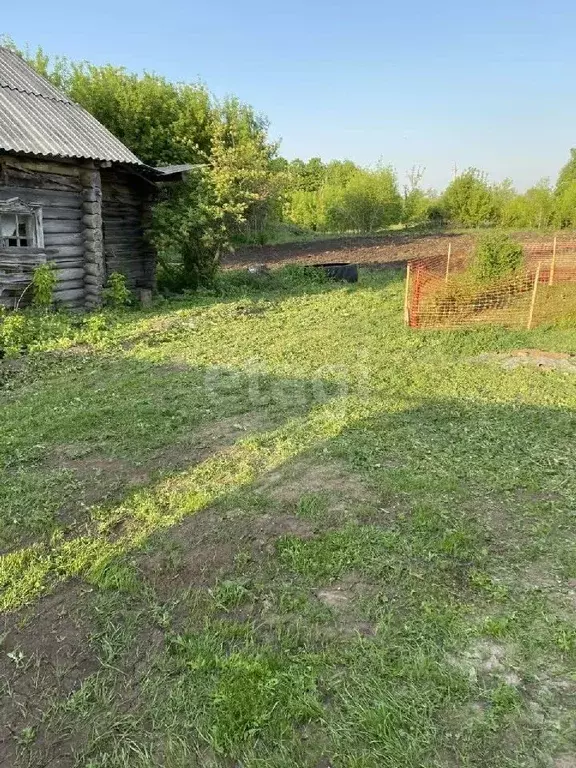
pixel 443 83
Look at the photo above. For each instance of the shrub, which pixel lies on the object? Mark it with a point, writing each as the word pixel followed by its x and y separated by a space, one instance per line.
pixel 189 233
pixel 43 284
pixel 116 293
pixel 16 332
pixel 496 255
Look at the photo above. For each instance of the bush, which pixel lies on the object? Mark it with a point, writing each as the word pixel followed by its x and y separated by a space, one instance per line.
pixel 496 256
pixel 189 233
pixel 43 284
pixel 116 293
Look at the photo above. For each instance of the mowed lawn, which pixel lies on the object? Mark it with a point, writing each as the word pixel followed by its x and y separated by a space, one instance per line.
pixel 274 528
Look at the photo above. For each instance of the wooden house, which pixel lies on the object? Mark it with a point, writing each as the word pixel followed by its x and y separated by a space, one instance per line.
pixel 70 193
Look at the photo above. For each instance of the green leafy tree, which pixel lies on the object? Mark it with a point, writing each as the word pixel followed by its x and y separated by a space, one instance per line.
pixel 565 205
pixel 371 201
pixel 304 208
pixel 189 231
pixel 567 175
pixel 468 199
pixel 417 203
pixel 339 173
pixel 535 209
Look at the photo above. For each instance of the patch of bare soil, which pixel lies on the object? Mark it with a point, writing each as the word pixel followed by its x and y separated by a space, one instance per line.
pixel 391 248
pixel 341 487
pixel 44 655
pixel 537 358
pixel 487 658
pixel 343 598
pixel 565 761
pixel 203 548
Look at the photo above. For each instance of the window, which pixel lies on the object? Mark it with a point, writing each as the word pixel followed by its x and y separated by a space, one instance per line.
pixel 20 225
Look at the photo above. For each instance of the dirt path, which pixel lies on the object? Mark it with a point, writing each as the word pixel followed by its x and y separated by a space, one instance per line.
pixel 377 250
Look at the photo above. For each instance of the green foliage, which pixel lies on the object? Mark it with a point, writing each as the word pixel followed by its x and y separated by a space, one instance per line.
pixel 417 204
pixel 161 122
pixel 351 199
pixel 43 284
pixel 535 209
pixel 468 199
pixel 567 175
pixel 565 205
pixel 496 255
pixel 190 233
pixel 22 331
pixel 304 208
pixel 15 333
pixel 116 293
pixel 371 201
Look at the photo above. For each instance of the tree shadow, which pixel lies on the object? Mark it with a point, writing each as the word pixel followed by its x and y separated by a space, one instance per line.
pixel 461 483
pixel 103 427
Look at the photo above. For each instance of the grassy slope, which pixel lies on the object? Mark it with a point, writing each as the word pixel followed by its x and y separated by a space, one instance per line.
pixel 280 529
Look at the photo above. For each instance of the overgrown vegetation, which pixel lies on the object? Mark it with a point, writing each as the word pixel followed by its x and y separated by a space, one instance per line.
pixel 496 256
pixel 116 292
pixel 278 528
pixel 43 284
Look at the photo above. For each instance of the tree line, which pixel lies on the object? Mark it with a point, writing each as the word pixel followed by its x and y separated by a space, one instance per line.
pixel 340 196
pixel 243 190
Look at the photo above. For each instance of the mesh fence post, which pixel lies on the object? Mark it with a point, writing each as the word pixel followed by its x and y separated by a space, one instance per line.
pixel 407 296
pixel 553 264
pixel 414 319
pixel 448 261
pixel 534 293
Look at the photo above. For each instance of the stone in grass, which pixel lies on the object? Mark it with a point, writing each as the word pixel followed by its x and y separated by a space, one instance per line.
pixel 258 269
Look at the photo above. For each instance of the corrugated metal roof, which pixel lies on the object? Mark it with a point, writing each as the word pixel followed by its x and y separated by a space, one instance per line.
pixel 17 75
pixel 37 119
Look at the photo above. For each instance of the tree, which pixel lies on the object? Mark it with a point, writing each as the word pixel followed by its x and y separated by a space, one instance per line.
pixel 416 203
pixel 535 209
pixel 468 199
pixel 565 202
pixel 369 202
pixel 189 231
pixel 496 256
pixel 309 176
pixel 339 173
pixel 567 175
pixel 243 172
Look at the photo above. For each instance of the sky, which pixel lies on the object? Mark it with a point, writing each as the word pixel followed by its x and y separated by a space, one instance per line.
pixel 440 84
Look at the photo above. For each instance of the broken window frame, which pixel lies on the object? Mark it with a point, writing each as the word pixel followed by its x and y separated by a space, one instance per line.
pixel 28 214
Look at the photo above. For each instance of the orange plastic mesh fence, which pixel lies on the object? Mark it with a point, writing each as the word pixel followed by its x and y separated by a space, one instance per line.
pixel 443 293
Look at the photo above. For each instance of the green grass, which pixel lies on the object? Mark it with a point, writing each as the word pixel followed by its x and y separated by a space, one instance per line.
pixel 271 526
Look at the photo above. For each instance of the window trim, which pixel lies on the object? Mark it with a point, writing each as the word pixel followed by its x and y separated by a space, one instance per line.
pixel 17 206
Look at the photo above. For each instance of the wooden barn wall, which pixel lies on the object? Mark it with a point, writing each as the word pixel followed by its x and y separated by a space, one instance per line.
pixel 125 208
pixel 56 186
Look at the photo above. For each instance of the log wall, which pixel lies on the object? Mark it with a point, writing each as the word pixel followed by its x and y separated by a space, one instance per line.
pixel 126 202
pixel 57 187
pixel 93 223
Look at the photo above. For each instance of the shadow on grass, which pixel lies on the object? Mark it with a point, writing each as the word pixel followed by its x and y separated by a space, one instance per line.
pixel 459 489
pixel 449 444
